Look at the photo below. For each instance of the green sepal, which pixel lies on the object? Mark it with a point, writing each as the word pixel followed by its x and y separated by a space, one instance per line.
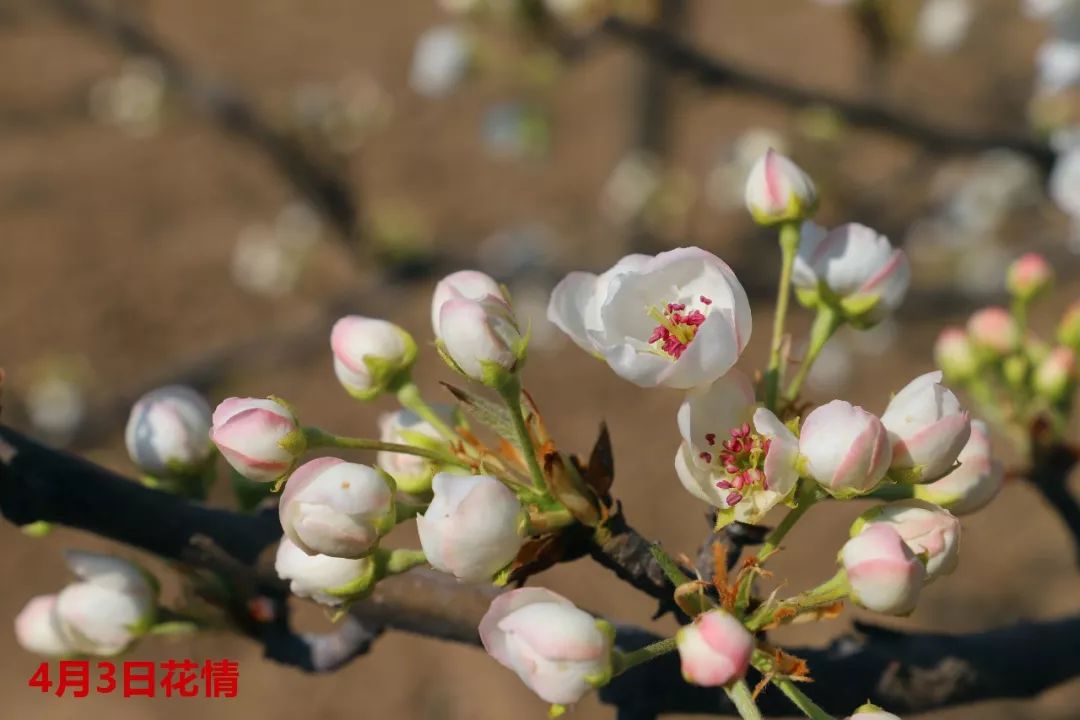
pixel 724 517
pixel 796 210
pixel 857 309
pixel 556 711
pixel 386 374
pixel 38 529
pixel 362 585
pixel 603 676
pixel 174 627
pixel 808 297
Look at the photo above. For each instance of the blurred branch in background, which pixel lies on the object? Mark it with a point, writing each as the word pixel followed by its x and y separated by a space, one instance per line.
pixel 717 73
pixel 317 179
pixel 910 672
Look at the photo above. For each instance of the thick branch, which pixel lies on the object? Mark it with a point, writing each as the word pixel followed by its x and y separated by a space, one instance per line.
pixel 717 73
pixel 904 672
pixel 323 185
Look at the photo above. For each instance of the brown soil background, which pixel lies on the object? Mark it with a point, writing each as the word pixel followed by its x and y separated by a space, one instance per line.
pixel 117 249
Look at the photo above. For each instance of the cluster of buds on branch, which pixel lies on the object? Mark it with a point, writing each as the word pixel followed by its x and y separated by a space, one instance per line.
pixel 495 500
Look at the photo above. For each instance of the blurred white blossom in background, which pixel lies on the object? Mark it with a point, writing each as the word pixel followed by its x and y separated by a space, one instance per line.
pixel 133 100
pixel 268 260
pixel 943 25
pixel 440 61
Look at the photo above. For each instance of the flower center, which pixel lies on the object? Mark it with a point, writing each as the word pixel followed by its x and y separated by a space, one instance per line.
pixel 676 327
pixel 741 457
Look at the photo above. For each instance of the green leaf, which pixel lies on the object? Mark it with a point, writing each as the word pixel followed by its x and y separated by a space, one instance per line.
pixel 491 414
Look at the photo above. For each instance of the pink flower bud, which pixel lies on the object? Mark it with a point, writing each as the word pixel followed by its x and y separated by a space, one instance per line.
pixel 884 575
pixel 167 431
pixel 470 529
pixel 370 354
pixel 993 329
pixel 113 605
pixel 412 474
pixel 326 580
pixel 1029 275
pixel 955 355
pixel 857 267
pixel 927 428
pixel 778 190
pixel 925 527
pixel 558 651
pixel 871 712
pixel 257 437
pixel 337 508
pixel 846 448
pixel 715 649
pixel 37 629
pixel 1055 377
pixel 481 337
pixel 1068 331
pixel 975 483
pixel 464 284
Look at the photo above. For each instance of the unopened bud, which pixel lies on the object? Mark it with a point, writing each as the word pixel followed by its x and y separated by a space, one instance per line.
pixel 955 355
pixel 1055 377
pixel 1029 276
pixel 778 190
pixel 994 331
pixel 1068 331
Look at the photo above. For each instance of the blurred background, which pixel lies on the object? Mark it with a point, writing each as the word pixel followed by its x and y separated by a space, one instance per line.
pixel 193 191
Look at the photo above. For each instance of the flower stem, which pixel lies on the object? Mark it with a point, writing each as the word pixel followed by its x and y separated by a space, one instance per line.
pixel 511 395
pixel 408 394
pixel 743 700
pixel 826 323
pixel 624 661
pixel 789 246
pixel 764 663
pixel 832 590
pixel 407 511
pixel 806 497
pixel 317 438
pixel 402 559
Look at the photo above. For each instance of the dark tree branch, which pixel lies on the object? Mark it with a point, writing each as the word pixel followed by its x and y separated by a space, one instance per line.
pixel 1052 464
pixel 324 186
pixel 903 672
pixel 712 72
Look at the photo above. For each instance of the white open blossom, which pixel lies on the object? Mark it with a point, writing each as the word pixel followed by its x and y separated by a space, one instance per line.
pixel 679 319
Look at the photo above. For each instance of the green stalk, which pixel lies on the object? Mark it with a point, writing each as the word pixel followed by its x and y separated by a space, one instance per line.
pixel 511 395
pixel 408 394
pixel 743 700
pixel 401 560
pixel 806 498
pixel 827 322
pixel 832 590
pixel 789 246
pixel 624 661
pixel 764 663
pixel 317 438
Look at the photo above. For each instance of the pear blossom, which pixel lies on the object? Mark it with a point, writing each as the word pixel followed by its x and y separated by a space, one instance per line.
pixel 113 604
pixel 327 580
pixel 260 437
pixel 846 449
pixel 852 266
pixel 927 428
pixel 559 651
pixel 727 462
pixel 440 61
pixel 1068 330
pixel 925 527
pixel 1029 275
pixel 168 431
pixel 1055 375
pixel 370 354
pixel 871 712
pixel 37 628
pixel 974 483
pixel 463 284
pixel 994 330
pixel 715 649
pixel 481 338
pixel 412 473
pixel 470 529
pixel 337 508
pixel 1064 183
pixel 777 190
pixel 883 572
pixel 678 319
pixel 955 355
